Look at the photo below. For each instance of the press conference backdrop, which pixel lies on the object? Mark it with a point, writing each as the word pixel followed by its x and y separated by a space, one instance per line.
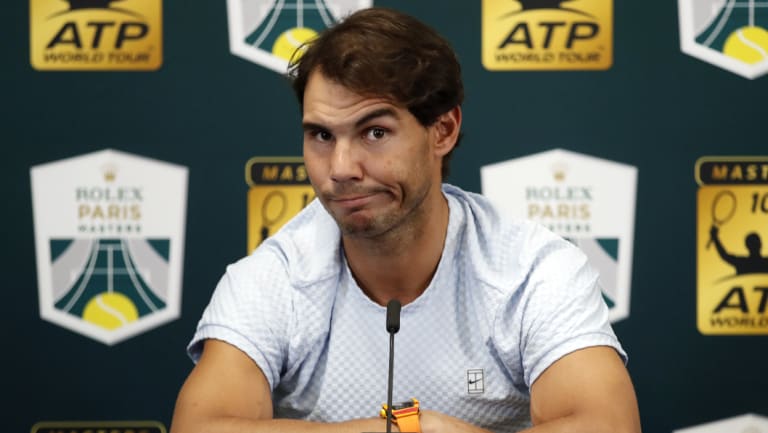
pixel 147 144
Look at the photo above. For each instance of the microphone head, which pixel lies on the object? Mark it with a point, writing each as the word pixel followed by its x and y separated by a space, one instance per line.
pixel 393 316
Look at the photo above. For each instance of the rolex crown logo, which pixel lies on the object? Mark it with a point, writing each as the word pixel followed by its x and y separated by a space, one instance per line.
pixel 558 172
pixel 110 173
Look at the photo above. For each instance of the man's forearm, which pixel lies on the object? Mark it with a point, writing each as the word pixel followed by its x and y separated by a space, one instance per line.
pixel 431 422
pixel 244 425
pixel 578 424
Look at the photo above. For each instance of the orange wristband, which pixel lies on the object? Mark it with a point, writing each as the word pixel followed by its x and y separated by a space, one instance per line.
pixel 405 415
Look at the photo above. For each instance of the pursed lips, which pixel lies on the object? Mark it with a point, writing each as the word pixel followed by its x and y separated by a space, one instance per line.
pixel 353 201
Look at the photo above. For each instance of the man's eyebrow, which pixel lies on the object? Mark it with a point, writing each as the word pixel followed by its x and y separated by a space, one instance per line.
pixel 374 114
pixel 312 126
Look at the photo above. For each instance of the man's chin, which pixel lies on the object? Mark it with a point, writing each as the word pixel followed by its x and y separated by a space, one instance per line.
pixel 356 227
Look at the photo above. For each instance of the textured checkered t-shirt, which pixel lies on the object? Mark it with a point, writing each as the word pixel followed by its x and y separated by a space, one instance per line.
pixel 508 299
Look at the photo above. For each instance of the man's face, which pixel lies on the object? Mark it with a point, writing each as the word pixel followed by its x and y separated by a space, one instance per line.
pixel 370 162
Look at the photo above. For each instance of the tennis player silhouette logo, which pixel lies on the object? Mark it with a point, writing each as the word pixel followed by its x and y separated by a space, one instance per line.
pixel 105 5
pixel 723 209
pixel 90 4
pixel 97 5
pixel 753 263
pixel 529 5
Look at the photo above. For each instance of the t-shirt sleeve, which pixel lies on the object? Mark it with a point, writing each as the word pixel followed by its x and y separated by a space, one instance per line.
pixel 251 310
pixel 557 310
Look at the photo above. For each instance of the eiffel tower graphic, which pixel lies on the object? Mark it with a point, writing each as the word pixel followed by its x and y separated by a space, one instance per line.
pixel 107 266
pixel 290 15
pixel 732 16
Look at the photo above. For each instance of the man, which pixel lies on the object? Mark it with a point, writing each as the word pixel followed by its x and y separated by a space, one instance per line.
pixel 752 263
pixel 502 325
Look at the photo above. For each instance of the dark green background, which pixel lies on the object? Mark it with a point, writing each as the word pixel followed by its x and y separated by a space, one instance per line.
pixel 656 109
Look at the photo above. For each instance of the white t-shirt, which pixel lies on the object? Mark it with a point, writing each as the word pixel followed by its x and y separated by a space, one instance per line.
pixel 508 299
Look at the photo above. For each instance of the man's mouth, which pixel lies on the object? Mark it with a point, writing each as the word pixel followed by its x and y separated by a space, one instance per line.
pixel 352 201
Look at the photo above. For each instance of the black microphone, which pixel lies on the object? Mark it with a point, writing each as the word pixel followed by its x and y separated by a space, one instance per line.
pixel 393 316
pixel 393 325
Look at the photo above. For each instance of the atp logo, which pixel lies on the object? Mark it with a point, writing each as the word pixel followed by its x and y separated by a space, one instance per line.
pixel 109 240
pixel 547 34
pixel 729 34
pixel 279 188
pixel 98 427
pixel 268 32
pixel 732 266
pixel 96 34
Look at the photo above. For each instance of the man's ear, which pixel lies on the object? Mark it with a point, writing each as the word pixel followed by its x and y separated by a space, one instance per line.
pixel 446 129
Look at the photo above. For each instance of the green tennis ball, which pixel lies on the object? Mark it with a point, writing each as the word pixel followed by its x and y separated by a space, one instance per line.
pixel 748 44
pixel 290 40
pixel 110 310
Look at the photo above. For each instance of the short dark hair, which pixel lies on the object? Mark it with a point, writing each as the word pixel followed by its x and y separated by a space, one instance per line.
pixel 384 52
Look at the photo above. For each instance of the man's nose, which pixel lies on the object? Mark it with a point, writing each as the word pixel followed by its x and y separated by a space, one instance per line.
pixel 346 162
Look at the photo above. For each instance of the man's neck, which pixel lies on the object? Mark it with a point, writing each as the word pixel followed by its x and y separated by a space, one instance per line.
pixel 401 264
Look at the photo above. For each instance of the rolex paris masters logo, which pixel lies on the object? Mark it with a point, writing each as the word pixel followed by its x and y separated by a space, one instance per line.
pixel 268 32
pixel 729 34
pixel 587 200
pixel 109 239
pixel 747 423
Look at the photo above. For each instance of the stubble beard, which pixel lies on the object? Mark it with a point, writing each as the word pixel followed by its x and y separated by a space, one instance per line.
pixel 392 227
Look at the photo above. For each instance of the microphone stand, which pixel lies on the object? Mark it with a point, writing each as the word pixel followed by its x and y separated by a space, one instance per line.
pixel 393 325
pixel 389 386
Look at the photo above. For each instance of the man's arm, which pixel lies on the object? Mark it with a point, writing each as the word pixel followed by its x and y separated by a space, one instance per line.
pixel 713 237
pixel 228 393
pixel 585 391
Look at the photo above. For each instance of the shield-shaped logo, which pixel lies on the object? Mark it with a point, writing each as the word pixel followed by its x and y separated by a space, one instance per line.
pixel 268 32
pixel 747 423
pixel 109 238
pixel 587 200
pixel 729 34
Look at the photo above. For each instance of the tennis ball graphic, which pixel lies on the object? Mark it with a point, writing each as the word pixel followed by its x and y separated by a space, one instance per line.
pixel 110 310
pixel 290 40
pixel 748 44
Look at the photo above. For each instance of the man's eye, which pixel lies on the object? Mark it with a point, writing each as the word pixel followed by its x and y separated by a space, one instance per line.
pixel 376 133
pixel 322 135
